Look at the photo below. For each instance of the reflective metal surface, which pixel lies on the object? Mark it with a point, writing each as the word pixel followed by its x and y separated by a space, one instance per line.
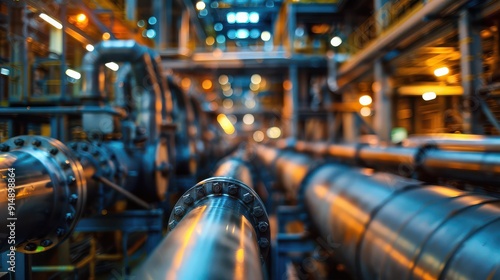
pixel 456 142
pixel 219 229
pixel 290 167
pixel 383 226
pixel 151 110
pixel 427 161
pixel 213 241
pixel 50 190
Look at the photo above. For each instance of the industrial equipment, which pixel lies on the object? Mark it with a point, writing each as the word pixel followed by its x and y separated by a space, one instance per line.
pixel 219 229
pixel 383 226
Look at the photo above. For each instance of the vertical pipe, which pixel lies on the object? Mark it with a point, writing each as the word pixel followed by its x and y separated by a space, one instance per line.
pixel 383 102
pixel 471 70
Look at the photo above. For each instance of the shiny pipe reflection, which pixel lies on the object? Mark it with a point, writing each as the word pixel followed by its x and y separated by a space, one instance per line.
pixel 390 227
pixel 219 229
pixel 471 163
pixel 50 191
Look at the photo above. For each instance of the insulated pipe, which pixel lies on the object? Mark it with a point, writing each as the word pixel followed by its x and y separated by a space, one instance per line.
pixel 153 107
pixel 387 227
pixel 219 229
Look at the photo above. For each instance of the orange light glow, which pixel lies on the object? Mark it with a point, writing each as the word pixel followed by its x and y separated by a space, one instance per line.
pixel 287 85
pixel 226 124
pixel 207 84
pixel 81 18
pixel 185 83
pixel 106 36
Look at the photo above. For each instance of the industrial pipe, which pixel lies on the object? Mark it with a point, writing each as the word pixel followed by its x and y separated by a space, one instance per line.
pixel 47 186
pixel 469 164
pixel 219 229
pixel 456 142
pixel 390 227
pixel 42 194
pixel 152 109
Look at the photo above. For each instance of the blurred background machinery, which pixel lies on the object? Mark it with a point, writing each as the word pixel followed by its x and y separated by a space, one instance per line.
pixel 262 139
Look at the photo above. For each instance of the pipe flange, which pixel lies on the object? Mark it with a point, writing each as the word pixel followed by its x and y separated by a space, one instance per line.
pixel 219 186
pixel 68 183
pixel 98 156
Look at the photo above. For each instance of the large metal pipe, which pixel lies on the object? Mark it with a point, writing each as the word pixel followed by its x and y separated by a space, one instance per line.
pixel 390 227
pixel 469 164
pixel 51 185
pixel 43 193
pixel 456 142
pixel 218 230
pixel 152 108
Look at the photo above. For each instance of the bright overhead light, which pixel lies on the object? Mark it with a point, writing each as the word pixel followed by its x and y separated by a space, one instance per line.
pixel 106 36
pixel 254 33
pixel 5 71
pixel 242 33
pixel 89 47
pixel 150 33
pixel 221 39
pixel 206 84
pixel 265 36
pixel 253 17
pixel 223 79
pixel 429 96
pixel 336 41
pixel 248 119
pixel 231 17
pixel 152 20
pixel 258 136
pixel 441 71
pixel 210 40
pixel 242 17
pixel 225 123
pixel 81 18
pixel 273 132
pixel 200 5
pixel 113 66
pixel 218 26
pixel 365 100
pixel 365 111
pixel 51 21
pixel 256 79
pixel 73 74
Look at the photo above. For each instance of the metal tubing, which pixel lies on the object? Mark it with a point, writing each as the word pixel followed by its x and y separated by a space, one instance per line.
pixel 454 142
pixel 153 109
pixel 63 110
pixel 235 167
pixel 50 192
pixel 218 230
pixel 389 227
pixel 434 159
